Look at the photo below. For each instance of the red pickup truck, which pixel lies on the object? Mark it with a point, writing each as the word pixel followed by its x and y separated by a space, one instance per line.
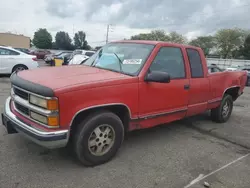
pixel 125 85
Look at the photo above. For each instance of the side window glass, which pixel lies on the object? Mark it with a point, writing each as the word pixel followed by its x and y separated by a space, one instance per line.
pixel 13 53
pixel 195 63
pixel 170 60
pixel 7 52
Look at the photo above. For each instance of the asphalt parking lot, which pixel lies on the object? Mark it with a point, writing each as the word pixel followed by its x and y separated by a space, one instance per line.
pixel 184 154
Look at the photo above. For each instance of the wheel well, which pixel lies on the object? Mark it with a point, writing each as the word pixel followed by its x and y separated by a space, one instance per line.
pixel 19 65
pixel 120 110
pixel 233 92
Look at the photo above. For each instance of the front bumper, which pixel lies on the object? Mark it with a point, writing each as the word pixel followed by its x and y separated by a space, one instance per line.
pixel 51 140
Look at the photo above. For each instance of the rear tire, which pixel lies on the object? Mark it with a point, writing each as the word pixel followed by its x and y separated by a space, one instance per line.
pixel 98 138
pixel 19 68
pixel 222 113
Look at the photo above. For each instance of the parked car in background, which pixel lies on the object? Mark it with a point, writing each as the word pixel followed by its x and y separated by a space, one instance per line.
pixel 78 59
pixel 214 68
pixel 25 50
pixel 50 57
pixel 40 54
pixel 233 68
pixel 126 85
pixel 83 52
pixel 66 59
pixel 12 60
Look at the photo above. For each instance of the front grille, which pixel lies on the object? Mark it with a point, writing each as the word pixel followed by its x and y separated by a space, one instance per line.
pixel 22 109
pixel 20 93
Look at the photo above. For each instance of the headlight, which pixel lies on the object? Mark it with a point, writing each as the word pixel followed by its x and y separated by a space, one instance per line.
pixel 52 121
pixel 50 104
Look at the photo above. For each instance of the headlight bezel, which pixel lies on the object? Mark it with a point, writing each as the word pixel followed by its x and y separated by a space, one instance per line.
pixel 47 103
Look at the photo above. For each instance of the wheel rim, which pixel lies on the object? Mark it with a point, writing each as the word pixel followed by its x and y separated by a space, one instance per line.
pixel 20 69
pixel 101 140
pixel 225 109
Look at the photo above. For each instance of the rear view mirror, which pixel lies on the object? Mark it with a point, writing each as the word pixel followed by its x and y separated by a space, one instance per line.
pixel 157 76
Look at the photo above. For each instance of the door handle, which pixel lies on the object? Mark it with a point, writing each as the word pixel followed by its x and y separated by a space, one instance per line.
pixel 187 87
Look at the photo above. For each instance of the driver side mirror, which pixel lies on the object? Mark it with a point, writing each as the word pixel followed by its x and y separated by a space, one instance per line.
pixel 157 76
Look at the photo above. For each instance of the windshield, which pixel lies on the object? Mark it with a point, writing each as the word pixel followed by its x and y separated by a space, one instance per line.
pixel 126 58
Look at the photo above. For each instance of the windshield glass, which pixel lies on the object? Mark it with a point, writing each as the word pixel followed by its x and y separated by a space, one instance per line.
pixel 126 58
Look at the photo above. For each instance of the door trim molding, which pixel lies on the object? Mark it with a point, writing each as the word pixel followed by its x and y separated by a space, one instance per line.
pixel 152 116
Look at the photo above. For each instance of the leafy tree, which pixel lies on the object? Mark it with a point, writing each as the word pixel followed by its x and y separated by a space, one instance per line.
pixel 80 41
pixel 229 41
pixel 42 39
pixel 206 43
pixel 54 46
pixel 157 35
pixel 63 41
pixel 177 38
pixel 246 48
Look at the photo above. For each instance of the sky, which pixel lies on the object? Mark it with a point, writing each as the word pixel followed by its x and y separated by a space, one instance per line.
pixel 191 18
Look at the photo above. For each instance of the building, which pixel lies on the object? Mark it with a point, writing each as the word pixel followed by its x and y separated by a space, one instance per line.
pixel 15 41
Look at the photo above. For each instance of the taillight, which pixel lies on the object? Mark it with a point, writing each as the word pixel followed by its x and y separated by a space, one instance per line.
pixel 34 59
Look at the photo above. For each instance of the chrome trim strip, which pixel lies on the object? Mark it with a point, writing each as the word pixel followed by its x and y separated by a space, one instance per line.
pixel 197 104
pixel 25 103
pixel 34 108
pixel 161 114
pixel 98 106
pixel 214 100
pixel 31 119
pixel 26 127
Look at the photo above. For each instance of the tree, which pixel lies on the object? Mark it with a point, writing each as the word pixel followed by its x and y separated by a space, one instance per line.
pixel 42 39
pixel 229 41
pixel 63 41
pixel 246 48
pixel 177 38
pixel 80 40
pixel 206 43
pixel 156 35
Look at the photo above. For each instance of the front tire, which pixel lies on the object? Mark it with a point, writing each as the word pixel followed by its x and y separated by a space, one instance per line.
pixel 98 138
pixel 222 113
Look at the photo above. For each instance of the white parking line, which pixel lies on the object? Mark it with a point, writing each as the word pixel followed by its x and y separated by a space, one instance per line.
pixel 202 177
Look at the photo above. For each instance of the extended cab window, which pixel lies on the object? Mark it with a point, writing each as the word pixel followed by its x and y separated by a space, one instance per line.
pixel 170 60
pixel 195 63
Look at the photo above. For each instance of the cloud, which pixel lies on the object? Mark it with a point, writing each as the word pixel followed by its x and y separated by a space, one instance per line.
pixel 129 17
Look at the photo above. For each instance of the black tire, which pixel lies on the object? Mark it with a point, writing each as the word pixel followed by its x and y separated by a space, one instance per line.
pixel 86 129
pixel 19 68
pixel 218 114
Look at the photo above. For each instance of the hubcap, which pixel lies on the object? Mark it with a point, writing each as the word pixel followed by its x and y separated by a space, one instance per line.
pixel 101 140
pixel 20 69
pixel 225 109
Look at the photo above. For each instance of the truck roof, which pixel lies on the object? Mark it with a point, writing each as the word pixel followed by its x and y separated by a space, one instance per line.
pixel 154 43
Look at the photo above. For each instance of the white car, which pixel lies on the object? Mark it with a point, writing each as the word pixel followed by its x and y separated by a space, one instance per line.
pixel 233 68
pixel 12 60
pixel 83 52
pixel 78 59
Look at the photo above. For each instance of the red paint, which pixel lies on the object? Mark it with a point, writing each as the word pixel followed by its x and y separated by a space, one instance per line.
pixel 81 87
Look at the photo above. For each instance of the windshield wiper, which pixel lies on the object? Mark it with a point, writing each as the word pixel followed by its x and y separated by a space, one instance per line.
pixel 120 62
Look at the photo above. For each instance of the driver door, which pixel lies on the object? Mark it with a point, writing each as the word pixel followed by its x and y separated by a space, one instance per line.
pixel 164 102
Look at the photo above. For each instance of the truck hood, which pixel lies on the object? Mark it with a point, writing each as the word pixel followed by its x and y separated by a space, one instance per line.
pixel 71 77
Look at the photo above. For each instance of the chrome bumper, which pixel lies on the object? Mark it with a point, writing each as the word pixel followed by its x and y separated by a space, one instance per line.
pixel 55 139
